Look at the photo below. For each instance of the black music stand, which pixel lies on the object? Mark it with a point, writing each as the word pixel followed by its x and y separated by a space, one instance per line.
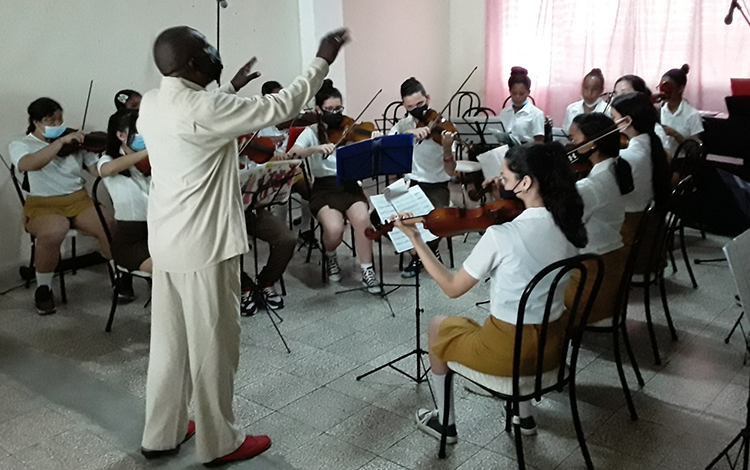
pixel 273 183
pixel 384 156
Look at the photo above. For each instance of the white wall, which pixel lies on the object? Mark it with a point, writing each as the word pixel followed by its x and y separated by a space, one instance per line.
pixel 54 48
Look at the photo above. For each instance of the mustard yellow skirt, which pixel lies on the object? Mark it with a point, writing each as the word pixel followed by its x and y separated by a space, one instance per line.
pixel 628 231
pixel 604 305
pixel 67 206
pixel 489 348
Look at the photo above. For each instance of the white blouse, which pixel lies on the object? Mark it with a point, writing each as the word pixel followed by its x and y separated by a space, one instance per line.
pixel 319 167
pixel 575 109
pixel 603 208
pixel 129 194
pixel 525 124
pixel 686 120
pixel 638 154
pixel 427 160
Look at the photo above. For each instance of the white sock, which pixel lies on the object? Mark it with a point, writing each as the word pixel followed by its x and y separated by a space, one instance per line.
pixel 44 279
pixel 438 388
pixel 524 409
pixel 330 254
pixel 365 265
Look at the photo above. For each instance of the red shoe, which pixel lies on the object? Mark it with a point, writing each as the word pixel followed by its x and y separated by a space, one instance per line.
pixel 155 454
pixel 253 445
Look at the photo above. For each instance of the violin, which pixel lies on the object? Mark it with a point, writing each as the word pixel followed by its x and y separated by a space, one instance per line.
pixel 350 132
pixel 302 120
pixel 95 142
pixel 258 149
pixel 144 166
pixel 453 221
pixel 437 125
pixel 666 88
pixel 582 167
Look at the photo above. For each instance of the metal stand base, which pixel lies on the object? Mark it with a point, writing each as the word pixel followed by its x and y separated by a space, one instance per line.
pixel 261 302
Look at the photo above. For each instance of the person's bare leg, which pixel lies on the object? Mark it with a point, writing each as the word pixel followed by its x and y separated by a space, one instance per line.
pixel 360 220
pixel 89 223
pixel 333 228
pixel 49 231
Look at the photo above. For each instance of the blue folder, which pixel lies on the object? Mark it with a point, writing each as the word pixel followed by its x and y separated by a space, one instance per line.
pixel 387 155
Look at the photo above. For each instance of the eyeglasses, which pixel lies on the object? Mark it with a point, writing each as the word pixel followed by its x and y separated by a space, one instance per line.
pixel 336 110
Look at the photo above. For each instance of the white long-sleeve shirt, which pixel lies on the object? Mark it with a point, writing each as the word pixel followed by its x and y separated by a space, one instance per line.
pixel 195 216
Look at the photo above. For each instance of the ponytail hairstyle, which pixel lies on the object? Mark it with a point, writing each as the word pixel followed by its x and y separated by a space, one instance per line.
pixel 638 106
pixel 410 86
pixel 594 125
pixel 679 76
pixel 595 73
pixel 40 109
pixel 268 87
pixel 519 75
pixel 636 82
pixel 547 164
pixel 326 92
pixel 122 97
pixel 122 121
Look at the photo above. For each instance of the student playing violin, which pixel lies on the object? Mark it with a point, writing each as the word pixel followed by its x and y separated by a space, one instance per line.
pixel 550 229
pixel 432 164
pixel 603 193
pixel 681 121
pixel 523 122
pixel 57 199
pixel 128 188
pixel 329 203
pixel 592 88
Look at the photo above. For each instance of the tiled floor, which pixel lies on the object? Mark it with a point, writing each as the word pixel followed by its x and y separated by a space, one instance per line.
pixel 71 395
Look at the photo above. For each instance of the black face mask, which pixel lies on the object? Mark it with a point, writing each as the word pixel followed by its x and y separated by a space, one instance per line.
pixel 332 120
pixel 209 64
pixel 584 156
pixel 419 112
pixel 509 193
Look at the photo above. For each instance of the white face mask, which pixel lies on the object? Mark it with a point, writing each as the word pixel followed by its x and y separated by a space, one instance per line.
pixel 594 104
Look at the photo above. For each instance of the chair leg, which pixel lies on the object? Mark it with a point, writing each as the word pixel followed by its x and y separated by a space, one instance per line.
pixel 31 263
pixel 73 253
pixel 283 286
pixel 518 437
pixel 450 251
pixel 631 356
pixel 664 303
pixel 113 308
pixel 683 248
pixel 649 321
pixel 63 294
pixel 354 245
pixel 621 373
pixel 508 415
pixel 447 395
pixel 577 424
pixel 670 250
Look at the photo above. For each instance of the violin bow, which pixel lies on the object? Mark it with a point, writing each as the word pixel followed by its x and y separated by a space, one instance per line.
pixel 244 146
pixel 346 131
pixel 86 110
pixel 440 114
pixel 572 154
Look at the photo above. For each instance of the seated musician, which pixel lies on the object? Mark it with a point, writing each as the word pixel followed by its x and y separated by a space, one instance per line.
pixel 681 121
pixel 647 159
pixel 128 188
pixel 523 122
pixel 127 99
pixel 603 209
pixel 634 83
pixel 592 88
pixel 57 199
pixel 550 229
pixel 279 136
pixel 329 203
pixel 432 164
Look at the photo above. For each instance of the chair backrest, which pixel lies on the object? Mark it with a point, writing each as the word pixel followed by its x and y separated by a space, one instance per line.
pixel 533 101
pixel 687 160
pixel 738 256
pixel 575 321
pixel 17 184
pixel 461 98
pixel 294 133
pixel 390 116
pixel 98 206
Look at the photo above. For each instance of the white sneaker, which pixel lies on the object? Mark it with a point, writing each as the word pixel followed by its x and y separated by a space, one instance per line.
pixel 333 270
pixel 273 299
pixel 428 422
pixel 370 281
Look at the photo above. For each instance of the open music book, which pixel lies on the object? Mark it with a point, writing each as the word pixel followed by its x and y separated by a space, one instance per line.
pixel 398 197
pixel 269 183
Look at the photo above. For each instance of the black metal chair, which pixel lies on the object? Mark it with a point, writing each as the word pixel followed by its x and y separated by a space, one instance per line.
pixel 519 388
pixel 651 265
pixel 27 272
pixel 617 324
pixel 390 116
pixel 117 271
pixel 678 207
pixel 460 98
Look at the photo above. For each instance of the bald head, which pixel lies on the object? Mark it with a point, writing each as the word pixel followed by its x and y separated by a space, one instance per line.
pixel 175 47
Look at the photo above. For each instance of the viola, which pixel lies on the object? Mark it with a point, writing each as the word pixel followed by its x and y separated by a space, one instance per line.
pixel 453 221
pixel 257 149
pixel 350 132
pixel 437 125
pixel 95 142
pixel 302 120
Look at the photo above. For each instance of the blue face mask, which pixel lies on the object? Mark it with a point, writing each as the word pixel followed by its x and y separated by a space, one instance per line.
pixel 522 104
pixel 137 144
pixel 53 132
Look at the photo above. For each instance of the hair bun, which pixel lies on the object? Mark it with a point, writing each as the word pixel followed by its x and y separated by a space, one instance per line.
pixel 685 69
pixel 518 71
pixel 327 83
pixel 595 71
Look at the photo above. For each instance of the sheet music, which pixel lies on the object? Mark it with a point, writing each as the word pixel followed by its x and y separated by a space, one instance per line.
pixel 415 201
pixel 492 161
pixel 269 183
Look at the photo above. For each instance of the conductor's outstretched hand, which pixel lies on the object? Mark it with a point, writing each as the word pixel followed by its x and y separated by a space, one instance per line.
pixel 245 75
pixel 331 44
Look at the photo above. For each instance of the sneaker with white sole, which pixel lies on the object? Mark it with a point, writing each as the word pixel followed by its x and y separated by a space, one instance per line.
pixel 528 425
pixel 272 298
pixel 370 281
pixel 333 270
pixel 248 308
pixel 428 421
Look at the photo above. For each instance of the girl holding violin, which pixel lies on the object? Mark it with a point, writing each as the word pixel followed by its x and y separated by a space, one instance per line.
pixel 523 122
pixel 329 203
pixel 647 159
pixel 548 230
pixel 681 121
pixel 57 198
pixel 603 193
pixel 128 188
pixel 432 163
pixel 592 88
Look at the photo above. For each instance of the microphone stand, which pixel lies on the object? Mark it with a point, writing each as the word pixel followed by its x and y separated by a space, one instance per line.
pixel 736 4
